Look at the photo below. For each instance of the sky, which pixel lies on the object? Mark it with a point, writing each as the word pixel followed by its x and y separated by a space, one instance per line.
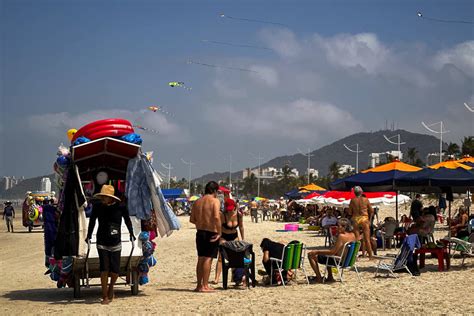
pixel 332 69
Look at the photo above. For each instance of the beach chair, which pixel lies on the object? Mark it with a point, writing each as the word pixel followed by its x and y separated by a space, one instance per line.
pixel 389 234
pixel 464 247
pixel 237 254
pixel 330 235
pixel 292 259
pixel 346 260
pixel 400 260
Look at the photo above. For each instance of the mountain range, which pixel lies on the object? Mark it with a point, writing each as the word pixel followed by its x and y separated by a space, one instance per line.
pixel 369 142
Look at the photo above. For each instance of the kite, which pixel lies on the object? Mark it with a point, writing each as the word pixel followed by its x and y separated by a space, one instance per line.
pixel 442 20
pixel 222 15
pixel 178 84
pixel 155 109
pixel 236 45
pixel 146 129
pixel 222 67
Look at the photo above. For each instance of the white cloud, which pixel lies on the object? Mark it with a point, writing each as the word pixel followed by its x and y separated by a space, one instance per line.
pixel 461 56
pixel 56 124
pixel 362 50
pixel 283 41
pixel 301 119
pixel 265 74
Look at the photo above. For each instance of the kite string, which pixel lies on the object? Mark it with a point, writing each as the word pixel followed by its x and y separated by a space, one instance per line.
pixel 236 45
pixel 257 21
pixel 447 21
pixel 223 67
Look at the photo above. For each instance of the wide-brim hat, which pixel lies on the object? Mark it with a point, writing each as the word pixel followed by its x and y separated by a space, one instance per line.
pixel 107 190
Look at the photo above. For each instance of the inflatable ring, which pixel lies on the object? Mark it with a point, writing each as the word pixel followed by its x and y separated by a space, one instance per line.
pixel 109 133
pixel 108 127
pixel 95 124
pixel 33 214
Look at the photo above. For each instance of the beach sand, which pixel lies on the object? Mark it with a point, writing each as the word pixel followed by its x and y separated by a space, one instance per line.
pixel 25 290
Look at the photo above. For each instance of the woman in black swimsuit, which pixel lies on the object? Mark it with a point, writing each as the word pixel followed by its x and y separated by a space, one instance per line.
pixel 232 221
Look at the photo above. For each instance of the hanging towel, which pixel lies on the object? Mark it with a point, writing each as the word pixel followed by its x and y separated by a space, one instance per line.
pixel 137 190
pixel 144 195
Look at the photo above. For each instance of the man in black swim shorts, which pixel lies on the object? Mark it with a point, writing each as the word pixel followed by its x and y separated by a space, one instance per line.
pixel 205 215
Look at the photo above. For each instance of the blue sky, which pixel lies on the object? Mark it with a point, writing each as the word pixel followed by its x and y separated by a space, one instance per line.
pixel 339 67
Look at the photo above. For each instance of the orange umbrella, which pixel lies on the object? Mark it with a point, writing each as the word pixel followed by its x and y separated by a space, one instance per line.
pixel 312 187
pixel 394 165
pixel 450 164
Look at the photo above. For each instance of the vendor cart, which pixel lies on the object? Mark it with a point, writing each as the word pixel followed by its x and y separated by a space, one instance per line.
pixel 112 155
pixel 32 209
pixel 88 267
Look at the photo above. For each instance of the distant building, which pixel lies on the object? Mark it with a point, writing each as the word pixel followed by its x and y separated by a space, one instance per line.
pixel 433 158
pixel 45 185
pixel 376 159
pixel 314 173
pixel 267 173
pixel 343 169
pixel 10 181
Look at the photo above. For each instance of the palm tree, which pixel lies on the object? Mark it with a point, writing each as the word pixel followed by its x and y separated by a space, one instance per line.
pixel 334 170
pixel 468 146
pixel 453 149
pixel 250 185
pixel 411 155
pixel 286 178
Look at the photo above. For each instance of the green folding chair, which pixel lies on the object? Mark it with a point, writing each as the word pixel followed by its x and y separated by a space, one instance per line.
pixel 292 259
pixel 347 260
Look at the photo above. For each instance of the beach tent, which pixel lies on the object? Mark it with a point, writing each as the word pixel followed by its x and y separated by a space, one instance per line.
pixel 379 179
pixel 173 193
pixel 450 176
pixel 294 194
pixel 468 161
pixel 311 187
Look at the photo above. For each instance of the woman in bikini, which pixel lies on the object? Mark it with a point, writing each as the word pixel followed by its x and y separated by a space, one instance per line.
pixel 232 223
pixel 362 213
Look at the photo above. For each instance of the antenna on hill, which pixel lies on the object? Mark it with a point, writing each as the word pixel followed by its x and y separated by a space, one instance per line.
pixel 398 143
pixel 468 107
pixel 441 132
pixel 357 151
pixel 309 158
pixel 168 167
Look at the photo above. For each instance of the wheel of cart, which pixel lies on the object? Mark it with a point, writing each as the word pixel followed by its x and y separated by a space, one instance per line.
pixel 87 268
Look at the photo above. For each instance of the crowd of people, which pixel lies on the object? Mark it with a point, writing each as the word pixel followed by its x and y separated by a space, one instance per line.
pixel 217 224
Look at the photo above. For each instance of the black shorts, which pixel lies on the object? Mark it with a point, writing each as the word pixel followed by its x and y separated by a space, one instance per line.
pixel 206 248
pixel 322 260
pixel 109 261
pixel 229 237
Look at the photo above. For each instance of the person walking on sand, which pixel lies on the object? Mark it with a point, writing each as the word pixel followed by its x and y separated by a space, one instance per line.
pixel 109 237
pixel 206 216
pixel 362 212
pixel 9 215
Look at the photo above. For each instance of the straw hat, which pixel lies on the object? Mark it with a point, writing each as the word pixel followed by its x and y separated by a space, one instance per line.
pixel 107 190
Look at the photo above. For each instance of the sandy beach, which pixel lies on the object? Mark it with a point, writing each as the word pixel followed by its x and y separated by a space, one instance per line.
pixel 25 290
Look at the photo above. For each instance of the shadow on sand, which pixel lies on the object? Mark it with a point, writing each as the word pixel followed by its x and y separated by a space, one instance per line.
pixel 63 296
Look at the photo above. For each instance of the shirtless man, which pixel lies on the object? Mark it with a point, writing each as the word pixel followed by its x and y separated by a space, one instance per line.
pixel 206 216
pixel 319 256
pixel 254 210
pixel 362 212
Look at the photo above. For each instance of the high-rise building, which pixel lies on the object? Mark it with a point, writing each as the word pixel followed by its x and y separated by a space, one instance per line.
pixel 45 185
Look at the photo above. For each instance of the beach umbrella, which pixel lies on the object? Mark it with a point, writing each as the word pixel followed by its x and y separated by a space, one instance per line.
pixel 311 187
pixel 194 198
pixel 343 198
pixel 224 189
pixel 379 179
pixel 465 159
pixel 450 174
